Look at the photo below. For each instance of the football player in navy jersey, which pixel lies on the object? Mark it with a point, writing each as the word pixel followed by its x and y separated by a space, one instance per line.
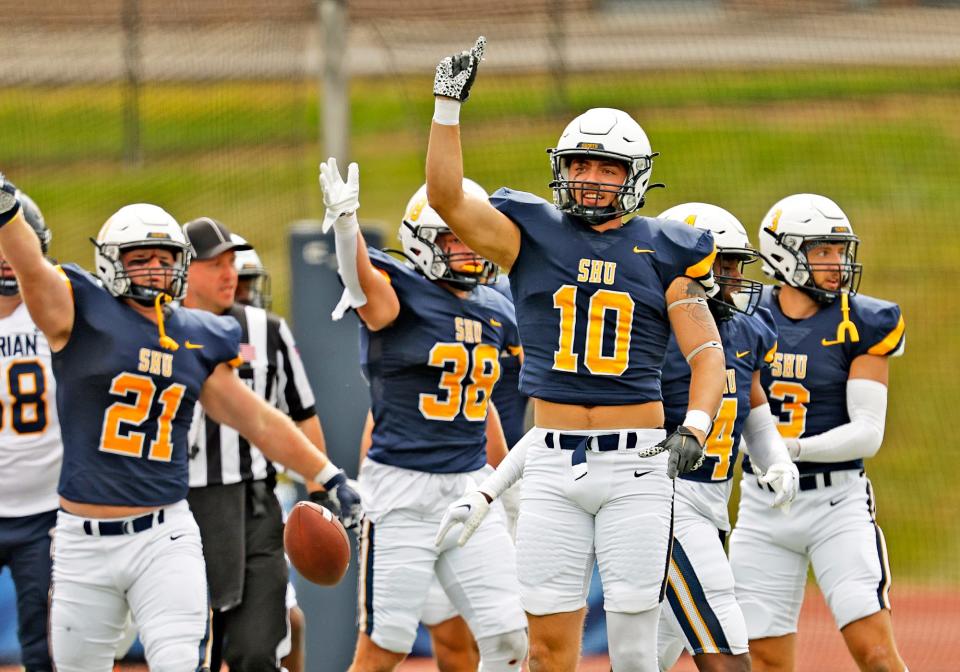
pixel 703 614
pixel 827 387
pixel 597 296
pixel 129 371
pixel 431 339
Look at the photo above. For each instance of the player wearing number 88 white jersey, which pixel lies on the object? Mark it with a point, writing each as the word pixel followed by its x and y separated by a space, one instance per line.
pixel 30 453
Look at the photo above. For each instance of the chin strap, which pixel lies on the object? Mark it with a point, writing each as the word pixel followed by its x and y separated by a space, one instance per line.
pixel 166 342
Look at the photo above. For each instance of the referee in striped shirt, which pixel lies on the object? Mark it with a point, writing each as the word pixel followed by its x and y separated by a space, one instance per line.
pixel 231 482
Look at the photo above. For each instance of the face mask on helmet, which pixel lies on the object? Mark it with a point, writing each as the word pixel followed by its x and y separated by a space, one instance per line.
pixel 253 285
pixel 735 293
pixel 135 227
pixel 602 134
pixel 807 242
pixel 421 232
pixel 31 213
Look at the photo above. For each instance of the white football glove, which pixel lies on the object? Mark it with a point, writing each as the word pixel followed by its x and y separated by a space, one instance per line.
pixel 339 197
pixel 784 478
pixel 469 510
pixel 455 74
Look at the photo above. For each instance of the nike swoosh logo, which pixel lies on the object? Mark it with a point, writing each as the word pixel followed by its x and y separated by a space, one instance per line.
pixel 639 474
pixel 741 355
pixel 834 502
pixel 638 250
pixel 495 323
pixel 192 346
pixel 174 537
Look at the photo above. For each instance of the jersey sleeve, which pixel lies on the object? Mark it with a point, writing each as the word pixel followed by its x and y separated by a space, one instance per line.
pixel 529 212
pixel 683 251
pixel 221 341
pixel 882 328
pixel 401 277
pixel 296 396
pixel 766 329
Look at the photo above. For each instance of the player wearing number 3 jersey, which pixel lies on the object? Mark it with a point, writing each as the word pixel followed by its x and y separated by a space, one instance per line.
pixel 431 339
pixel 597 296
pixel 827 386
pixel 702 614
pixel 129 371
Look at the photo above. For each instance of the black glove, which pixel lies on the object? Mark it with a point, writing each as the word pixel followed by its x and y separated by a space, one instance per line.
pixel 345 499
pixel 322 497
pixel 9 205
pixel 455 74
pixel 686 453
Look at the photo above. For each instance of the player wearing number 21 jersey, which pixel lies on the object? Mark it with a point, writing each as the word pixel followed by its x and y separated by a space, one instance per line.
pixel 597 295
pixel 129 370
pixel 432 336
pixel 827 387
pixel 702 614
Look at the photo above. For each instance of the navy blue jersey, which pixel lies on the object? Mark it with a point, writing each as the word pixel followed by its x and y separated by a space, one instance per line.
pixel 511 403
pixel 749 345
pixel 807 381
pixel 590 305
pixel 125 403
pixel 432 371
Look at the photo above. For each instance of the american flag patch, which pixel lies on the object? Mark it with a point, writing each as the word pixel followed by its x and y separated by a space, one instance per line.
pixel 248 352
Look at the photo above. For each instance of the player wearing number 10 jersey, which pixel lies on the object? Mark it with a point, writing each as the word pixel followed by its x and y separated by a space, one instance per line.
pixel 703 615
pixel 597 296
pixel 827 385
pixel 129 371
pixel 431 339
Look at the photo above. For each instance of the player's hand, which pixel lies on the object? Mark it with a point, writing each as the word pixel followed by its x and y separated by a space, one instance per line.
pixel 455 74
pixel 346 500
pixel 9 205
pixel 784 478
pixel 339 197
pixel 686 451
pixel 469 510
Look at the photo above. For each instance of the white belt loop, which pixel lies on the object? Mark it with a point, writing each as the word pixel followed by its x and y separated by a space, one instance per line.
pixel 622 441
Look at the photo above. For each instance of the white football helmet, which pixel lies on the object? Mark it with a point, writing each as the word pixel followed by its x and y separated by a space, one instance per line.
pixel 795 224
pixel 607 133
pixel 133 226
pixel 731 240
pixel 418 234
pixel 249 267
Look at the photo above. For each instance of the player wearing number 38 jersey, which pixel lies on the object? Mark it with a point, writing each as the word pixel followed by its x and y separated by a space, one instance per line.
pixel 827 387
pixel 129 370
pixel 597 296
pixel 431 338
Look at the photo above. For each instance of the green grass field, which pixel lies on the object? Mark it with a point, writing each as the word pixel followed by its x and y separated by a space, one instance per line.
pixel 884 143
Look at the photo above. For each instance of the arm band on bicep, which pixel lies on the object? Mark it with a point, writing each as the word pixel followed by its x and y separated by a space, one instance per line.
pixel 346 244
pixel 766 446
pixel 699 300
pixel 862 436
pixel 703 346
pixel 507 472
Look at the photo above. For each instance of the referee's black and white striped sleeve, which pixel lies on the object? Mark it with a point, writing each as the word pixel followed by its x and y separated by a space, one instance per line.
pixel 295 396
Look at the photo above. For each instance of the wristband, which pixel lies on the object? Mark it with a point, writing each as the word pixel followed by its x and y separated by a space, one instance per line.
pixel 446 111
pixel 329 471
pixel 9 215
pixel 697 419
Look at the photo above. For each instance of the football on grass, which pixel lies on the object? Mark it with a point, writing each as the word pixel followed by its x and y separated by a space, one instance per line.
pixel 317 544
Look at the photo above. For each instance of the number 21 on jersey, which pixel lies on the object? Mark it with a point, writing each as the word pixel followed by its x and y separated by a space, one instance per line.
pixel 138 393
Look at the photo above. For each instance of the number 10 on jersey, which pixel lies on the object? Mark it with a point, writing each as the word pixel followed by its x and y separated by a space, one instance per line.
pixel 602 302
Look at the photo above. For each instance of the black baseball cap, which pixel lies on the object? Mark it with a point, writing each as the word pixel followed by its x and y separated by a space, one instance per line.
pixel 210 238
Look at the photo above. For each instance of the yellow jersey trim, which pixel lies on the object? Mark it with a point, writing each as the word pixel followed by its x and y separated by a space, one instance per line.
pixel 66 278
pixel 890 341
pixel 236 361
pixel 702 267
